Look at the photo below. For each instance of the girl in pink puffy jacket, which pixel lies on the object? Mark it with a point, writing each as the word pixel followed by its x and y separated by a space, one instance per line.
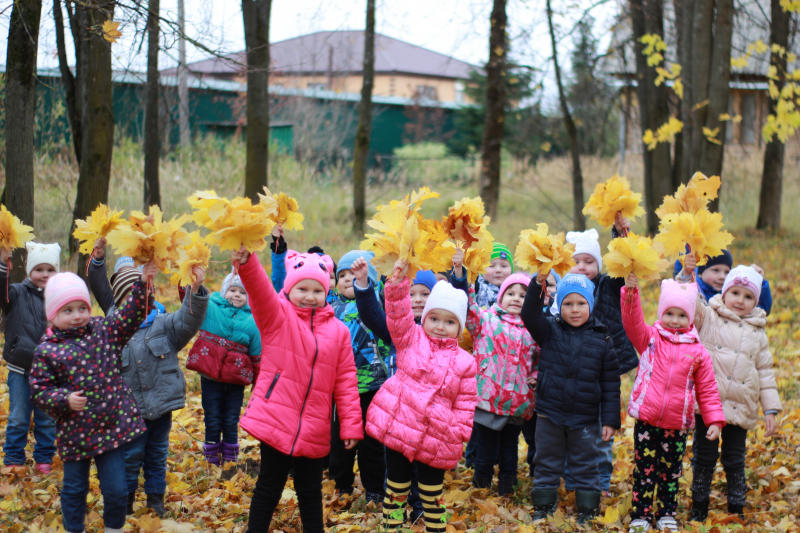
pixel 674 369
pixel 423 414
pixel 307 361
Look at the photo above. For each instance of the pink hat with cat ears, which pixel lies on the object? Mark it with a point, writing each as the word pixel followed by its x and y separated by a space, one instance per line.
pixel 307 266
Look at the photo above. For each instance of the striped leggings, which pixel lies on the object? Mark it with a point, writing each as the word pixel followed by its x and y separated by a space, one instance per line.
pixel 398 486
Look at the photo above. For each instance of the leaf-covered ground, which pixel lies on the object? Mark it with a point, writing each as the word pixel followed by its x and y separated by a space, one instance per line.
pixel 207 499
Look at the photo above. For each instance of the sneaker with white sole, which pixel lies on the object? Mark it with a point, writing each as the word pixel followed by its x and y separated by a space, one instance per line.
pixel 667 523
pixel 640 526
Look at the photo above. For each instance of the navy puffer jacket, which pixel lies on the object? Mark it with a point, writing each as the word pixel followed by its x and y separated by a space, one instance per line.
pixel 607 310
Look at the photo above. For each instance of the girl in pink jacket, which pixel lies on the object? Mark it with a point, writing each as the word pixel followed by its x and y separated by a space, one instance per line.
pixel 423 414
pixel 307 361
pixel 674 369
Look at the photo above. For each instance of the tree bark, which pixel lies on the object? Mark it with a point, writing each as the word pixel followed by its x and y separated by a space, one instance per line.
pixel 256 15
pixel 183 88
pixel 20 109
pixel 578 218
pixel 494 121
pixel 702 43
pixel 361 149
pixel 68 80
pixel 97 113
pixel 647 17
pixel 684 15
pixel 152 142
pixel 769 208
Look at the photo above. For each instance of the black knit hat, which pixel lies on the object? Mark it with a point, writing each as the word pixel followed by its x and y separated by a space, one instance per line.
pixel 725 258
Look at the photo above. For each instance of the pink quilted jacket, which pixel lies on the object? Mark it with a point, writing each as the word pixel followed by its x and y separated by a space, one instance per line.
pixel 671 363
pixel 425 410
pixel 306 360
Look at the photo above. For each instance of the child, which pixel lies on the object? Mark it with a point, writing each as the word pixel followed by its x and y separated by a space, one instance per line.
pixel 150 368
pixel 25 323
pixel 731 328
pixel 280 249
pixel 423 414
pixel 310 363
pixel 506 357
pixel 578 383
pixel 227 354
pixel 375 363
pixel 673 368
pixel 76 378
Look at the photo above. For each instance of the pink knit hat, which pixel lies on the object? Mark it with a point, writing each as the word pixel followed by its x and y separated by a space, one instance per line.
pixel 520 278
pixel 307 266
pixel 680 295
pixel 62 289
pixel 744 276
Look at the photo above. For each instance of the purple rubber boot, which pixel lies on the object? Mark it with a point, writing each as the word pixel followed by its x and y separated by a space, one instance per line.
pixel 230 453
pixel 211 452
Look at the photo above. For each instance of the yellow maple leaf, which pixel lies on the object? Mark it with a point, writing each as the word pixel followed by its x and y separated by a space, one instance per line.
pixel 110 31
pixel 611 197
pixel 241 223
pixel 13 233
pixel 637 255
pixel 285 210
pixel 208 207
pixel 196 253
pixel 611 516
pixel 700 231
pixel 692 197
pixel 466 221
pixel 538 251
pixel 150 238
pixel 99 224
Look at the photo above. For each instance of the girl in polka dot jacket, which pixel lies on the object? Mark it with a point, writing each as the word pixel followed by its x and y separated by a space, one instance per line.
pixel 76 379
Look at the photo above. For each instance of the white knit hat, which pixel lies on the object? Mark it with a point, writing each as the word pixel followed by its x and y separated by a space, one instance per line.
pixel 42 254
pixel 445 296
pixel 587 242
pixel 744 276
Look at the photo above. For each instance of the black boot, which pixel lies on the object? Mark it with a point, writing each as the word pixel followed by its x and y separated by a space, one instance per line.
pixel 737 491
pixel 505 484
pixel 588 505
pixel 699 511
pixel 131 499
pixel 156 503
pixel 481 483
pixel 544 503
pixel 701 492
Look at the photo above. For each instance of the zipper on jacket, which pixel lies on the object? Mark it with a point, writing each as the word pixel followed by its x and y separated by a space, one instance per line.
pixel 272 385
pixel 310 381
pixel 664 399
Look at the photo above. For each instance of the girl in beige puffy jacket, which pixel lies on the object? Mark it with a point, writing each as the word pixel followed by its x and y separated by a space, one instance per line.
pixel 732 329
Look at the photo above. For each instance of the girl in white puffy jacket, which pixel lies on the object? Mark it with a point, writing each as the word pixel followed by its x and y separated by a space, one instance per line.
pixel 732 329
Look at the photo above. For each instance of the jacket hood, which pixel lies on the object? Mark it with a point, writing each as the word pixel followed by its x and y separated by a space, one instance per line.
pixel 223 302
pixel 757 317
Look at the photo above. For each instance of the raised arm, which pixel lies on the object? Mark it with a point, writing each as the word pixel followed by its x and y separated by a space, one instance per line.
pixel 279 249
pixel 46 392
pixel 371 312
pixel 765 300
pixel 399 317
pixel 475 314
pixel 636 328
pixel 123 323
pixel 264 303
pixel 184 323
pixel 701 311
pixel 533 313
pixel 99 284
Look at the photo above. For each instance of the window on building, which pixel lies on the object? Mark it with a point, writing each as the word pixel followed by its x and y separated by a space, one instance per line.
pixel 459 86
pixel 748 118
pixel 317 86
pixel 426 92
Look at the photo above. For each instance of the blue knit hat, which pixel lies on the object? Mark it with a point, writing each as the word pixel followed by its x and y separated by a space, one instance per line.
pixel 425 277
pixel 350 257
pixel 575 283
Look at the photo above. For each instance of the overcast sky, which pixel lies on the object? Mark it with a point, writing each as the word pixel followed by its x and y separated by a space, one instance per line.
pixel 457 28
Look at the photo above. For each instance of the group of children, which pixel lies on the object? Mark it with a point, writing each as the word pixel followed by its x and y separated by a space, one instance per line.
pixel 375 371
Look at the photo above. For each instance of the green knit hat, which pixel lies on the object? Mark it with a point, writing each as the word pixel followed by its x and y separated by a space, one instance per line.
pixel 500 250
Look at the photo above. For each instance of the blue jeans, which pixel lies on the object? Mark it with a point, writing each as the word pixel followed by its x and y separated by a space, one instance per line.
pixel 605 464
pixel 111 474
pixel 19 423
pixel 149 451
pixel 496 447
pixel 222 405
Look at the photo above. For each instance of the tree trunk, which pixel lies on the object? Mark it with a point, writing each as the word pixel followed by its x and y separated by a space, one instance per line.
pixel 494 122
pixel 702 42
pixel 684 15
pixel 20 109
pixel 73 111
pixel 647 17
pixel 578 218
pixel 769 208
pixel 256 36
pixel 152 143
pixel 183 88
pixel 361 150
pixel 97 113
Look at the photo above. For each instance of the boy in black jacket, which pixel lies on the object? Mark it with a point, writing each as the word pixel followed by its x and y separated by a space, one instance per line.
pixel 578 383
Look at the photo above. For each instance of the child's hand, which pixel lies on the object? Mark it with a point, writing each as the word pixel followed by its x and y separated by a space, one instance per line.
pixel 631 282
pixel 149 271
pixel 360 269
pixel 541 279
pixel 608 432
pixel 771 425
pixel 758 269
pixel 349 444
pixel 240 256
pixel 713 432
pixel 277 232
pixel 401 269
pixel 5 255
pixel 77 401
pixel 100 247
pixel 458 262
pixel 622 224
pixel 200 275
pixel 689 263
pixel 532 382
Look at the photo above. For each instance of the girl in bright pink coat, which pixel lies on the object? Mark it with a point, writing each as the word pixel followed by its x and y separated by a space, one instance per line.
pixel 307 362
pixel 423 414
pixel 674 369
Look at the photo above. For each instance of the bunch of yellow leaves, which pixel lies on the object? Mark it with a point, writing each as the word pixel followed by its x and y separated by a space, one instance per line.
pixel 477 258
pixel 405 234
pixel 207 207
pixel 148 238
pixel 637 255
pixel 692 197
pixel 99 224
pixel 539 252
pixel 701 231
pixel 13 233
pixel 196 253
pixel 232 223
pixel 466 222
pixel 611 197
pixel 284 209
